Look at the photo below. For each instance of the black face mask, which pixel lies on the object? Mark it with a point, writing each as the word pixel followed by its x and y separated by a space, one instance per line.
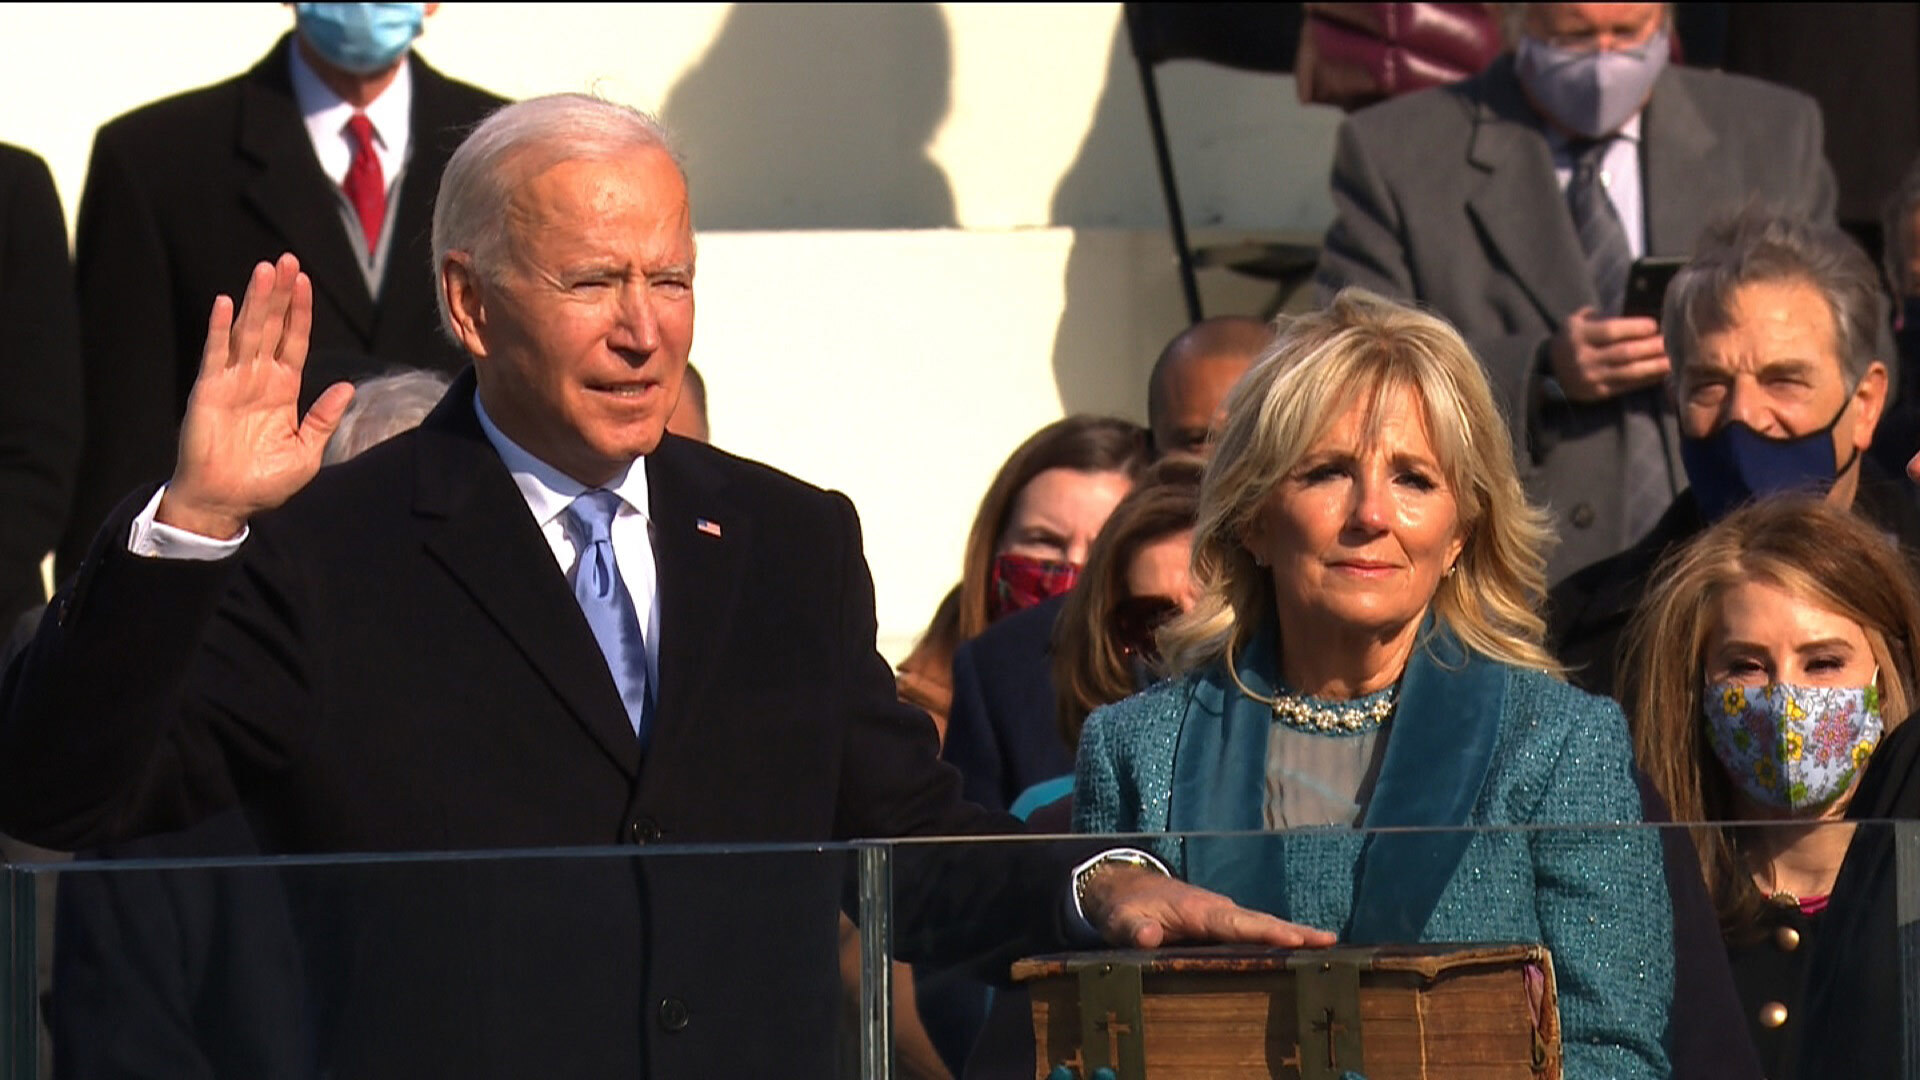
pixel 1736 464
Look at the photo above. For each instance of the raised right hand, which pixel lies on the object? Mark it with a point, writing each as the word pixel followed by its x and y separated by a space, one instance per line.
pixel 1598 358
pixel 243 446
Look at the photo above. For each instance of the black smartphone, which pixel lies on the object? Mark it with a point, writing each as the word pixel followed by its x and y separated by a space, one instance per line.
pixel 1647 282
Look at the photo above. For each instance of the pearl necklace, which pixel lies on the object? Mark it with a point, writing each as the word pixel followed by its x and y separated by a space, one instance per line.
pixel 1338 718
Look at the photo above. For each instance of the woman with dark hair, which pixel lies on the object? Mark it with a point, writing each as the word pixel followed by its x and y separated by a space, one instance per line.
pixel 1773 654
pixel 1103 650
pixel 1029 539
pixel 1135 580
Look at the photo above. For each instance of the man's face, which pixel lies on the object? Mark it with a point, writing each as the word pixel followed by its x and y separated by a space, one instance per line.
pixel 1192 401
pixel 1594 27
pixel 581 345
pixel 1777 369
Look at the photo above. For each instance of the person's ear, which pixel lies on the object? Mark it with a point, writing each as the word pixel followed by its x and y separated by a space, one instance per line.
pixel 1869 404
pixel 465 298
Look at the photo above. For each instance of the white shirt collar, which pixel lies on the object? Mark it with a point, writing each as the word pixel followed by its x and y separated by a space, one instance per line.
pixel 326 114
pixel 549 491
pixel 1561 142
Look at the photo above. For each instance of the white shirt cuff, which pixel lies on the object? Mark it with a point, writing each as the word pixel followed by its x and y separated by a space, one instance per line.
pixel 1078 926
pixel 154 540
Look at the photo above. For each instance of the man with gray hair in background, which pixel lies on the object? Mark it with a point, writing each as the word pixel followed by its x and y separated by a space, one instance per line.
pixel 536 621
pixel 1514 204
pixel 1775 327
pixel 384 406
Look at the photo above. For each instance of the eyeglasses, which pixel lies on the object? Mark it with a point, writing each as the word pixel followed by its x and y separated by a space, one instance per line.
pixel 1134 620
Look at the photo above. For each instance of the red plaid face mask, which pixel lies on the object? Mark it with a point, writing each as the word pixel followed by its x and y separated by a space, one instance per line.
pixel 1020 581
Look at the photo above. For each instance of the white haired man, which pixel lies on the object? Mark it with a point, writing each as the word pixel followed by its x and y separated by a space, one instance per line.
pixel 535 621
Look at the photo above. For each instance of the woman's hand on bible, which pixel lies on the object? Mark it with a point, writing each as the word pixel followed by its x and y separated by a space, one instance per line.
pixel 243 445
pixel 1142 909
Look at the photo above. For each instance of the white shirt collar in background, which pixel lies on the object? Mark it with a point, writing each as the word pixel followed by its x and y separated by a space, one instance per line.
pixel 326 114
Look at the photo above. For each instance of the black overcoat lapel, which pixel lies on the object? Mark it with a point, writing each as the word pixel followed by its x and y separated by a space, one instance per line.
pixel 287 189
pixel 479 530
pixel 701 542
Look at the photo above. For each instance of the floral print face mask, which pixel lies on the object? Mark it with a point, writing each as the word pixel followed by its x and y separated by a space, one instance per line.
pixel 1795 747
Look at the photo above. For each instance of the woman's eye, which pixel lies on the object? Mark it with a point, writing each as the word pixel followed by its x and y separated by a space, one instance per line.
pixel 1418 481
pixel 1827 664
pixel 1320 474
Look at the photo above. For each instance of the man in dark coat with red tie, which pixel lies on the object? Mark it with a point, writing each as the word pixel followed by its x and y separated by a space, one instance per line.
pixel 185 195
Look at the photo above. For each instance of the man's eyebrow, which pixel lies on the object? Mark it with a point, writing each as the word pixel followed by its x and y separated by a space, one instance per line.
pixel 1789 366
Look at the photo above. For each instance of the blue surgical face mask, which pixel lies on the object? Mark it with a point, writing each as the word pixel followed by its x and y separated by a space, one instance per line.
pixel 1737 463
pixel 360 38
pixel 1590 93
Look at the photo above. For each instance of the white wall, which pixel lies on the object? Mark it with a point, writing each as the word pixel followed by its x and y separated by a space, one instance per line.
pixel 925 229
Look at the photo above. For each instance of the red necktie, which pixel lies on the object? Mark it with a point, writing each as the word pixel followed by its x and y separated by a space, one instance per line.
pixel 365 185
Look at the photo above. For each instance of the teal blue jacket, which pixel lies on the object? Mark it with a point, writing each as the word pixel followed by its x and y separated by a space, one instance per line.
pixel 1483 747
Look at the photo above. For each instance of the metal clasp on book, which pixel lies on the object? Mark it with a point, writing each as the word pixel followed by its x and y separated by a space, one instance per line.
pixel 1326 987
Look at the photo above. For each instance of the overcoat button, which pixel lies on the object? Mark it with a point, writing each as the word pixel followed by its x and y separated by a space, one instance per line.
pixel 673 1014
pixel 1787 938
pixel 644 831
pixel 1773 1014
pixel 1582 516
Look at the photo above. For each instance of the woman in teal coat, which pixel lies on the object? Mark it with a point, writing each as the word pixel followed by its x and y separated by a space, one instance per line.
pixel 1367 652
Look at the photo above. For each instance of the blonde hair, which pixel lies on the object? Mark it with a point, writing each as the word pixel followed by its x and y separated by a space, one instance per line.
pixel 1354 354
pixel 1823 555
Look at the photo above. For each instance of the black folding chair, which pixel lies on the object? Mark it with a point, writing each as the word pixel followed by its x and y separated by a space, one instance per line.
pixel 1249 37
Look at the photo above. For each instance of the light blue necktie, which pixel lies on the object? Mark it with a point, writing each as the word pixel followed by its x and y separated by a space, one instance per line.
pixel 604 601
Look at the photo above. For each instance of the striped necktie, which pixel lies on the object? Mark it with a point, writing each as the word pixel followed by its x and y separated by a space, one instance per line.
pixel 1602 238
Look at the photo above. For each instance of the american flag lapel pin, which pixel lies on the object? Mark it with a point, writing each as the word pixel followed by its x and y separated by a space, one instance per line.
pixel 711 528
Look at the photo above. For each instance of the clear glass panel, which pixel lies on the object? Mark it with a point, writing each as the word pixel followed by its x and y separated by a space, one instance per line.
pixel 1651 968
pixel 659 961
pixel 699 962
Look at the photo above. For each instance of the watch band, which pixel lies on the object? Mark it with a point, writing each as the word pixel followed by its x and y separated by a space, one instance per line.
pixel 1084 874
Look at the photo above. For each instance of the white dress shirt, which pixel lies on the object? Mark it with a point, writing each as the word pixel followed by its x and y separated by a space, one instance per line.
pixel 548 493
pixel 326 115
pixel 1619 176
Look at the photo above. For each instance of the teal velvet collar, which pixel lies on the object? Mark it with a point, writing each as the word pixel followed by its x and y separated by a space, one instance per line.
pixel 1438 751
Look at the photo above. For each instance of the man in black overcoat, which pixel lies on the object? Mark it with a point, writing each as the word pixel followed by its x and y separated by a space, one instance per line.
pixel 395 655
pixel 183 196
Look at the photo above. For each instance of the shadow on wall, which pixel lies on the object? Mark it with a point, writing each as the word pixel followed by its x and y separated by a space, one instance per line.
pixel 817 117
pixel 1090 367
pixel 1252 163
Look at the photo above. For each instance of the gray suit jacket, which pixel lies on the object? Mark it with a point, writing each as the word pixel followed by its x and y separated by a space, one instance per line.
pixel 1448 197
